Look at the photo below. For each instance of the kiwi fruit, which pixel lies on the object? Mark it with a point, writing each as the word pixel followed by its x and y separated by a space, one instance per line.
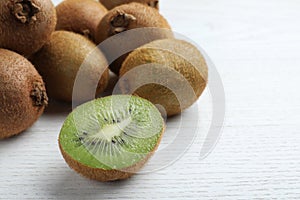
pixel 80 16
pixel 22 94
pixel 127 17
pixel 111 138
pixel 109 4
pixel 62 58
pixel 174 73
pixel 25 25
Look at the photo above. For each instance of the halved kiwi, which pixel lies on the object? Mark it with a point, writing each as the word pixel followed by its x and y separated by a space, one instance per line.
pixel 174 73
pixel 131 16
pixel 25 25
pixel 111 138
pixel 109 4
pixel 22 94
pixel 63 58
pixel 80 16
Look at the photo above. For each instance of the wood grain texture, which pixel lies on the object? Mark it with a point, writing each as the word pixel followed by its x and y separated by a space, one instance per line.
pixel 255 46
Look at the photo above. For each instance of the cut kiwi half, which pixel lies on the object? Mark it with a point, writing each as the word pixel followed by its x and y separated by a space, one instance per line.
pixel 111 138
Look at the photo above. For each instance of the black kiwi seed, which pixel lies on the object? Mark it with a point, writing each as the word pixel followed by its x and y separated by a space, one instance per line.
pixel 123 141
pixel 85 133
pixel 119 140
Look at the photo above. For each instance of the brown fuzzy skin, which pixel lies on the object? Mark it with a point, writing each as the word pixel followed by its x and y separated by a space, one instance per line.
pixel 22 94
pixel 167 56
pixel 80 16
pixel 26 35
pixel 106 175
pixel 60 60
pixel 110 4
pixel 136 16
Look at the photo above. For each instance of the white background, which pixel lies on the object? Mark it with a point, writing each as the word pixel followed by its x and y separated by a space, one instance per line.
pixel 255 46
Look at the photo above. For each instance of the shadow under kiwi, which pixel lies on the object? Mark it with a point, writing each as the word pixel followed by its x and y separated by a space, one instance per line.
pixel 15 144
pixel 13 141
pixel 69 185
pixel 113 80
pixel 57 107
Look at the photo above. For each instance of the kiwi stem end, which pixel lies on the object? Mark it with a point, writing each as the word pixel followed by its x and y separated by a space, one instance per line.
pixel 25 10
pixel 39 95
pixel 121 22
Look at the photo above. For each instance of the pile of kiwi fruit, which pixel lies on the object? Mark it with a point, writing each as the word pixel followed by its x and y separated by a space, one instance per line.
pixel 43 48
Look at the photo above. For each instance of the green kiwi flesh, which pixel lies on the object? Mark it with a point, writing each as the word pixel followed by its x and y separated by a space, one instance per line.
pixel 112 137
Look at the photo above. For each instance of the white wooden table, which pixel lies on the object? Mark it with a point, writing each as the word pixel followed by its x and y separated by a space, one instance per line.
pixel 255 46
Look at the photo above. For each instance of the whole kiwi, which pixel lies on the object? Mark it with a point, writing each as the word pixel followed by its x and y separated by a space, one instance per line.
pixel 25 25
pixel 22 94
pixel 80 16
pixel 109 4
pixel 62 58
pixel 127 17
pixel 170 72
